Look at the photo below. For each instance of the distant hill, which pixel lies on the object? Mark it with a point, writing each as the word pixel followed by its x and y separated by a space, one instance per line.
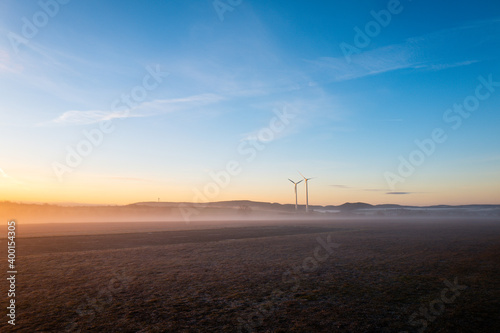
pixel 238 209
pixel 347 209
pixel 354 206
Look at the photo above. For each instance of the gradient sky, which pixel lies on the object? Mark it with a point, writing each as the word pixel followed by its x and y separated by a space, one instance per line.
pixel 227 79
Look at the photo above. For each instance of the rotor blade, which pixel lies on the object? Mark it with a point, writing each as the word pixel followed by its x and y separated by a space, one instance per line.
pixel 301 174
pixel 291 180
pixel 300 181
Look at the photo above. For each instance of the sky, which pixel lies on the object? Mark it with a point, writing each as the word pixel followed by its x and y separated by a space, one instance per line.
pixel 115 102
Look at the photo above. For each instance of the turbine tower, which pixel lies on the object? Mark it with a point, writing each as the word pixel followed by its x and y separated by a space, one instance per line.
pixel 307 192
pixel 295 185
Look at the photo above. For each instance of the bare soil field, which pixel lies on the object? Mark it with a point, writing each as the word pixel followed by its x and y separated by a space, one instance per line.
pixel 303 276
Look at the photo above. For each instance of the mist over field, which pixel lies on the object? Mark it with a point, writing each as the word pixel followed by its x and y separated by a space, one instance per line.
pixel 362 274
pixel 242 210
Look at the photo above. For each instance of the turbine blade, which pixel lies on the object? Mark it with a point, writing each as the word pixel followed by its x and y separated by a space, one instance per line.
pixel 291 180
pixel 301 175
pixel 300 181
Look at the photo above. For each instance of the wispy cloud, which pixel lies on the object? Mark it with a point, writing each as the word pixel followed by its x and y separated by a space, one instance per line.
pixel 145 109
pixel 368 63
pixel 340 186
pixel 87 117
pixel 348 187
pixel 399 193
pixel 438 67
pixel 426 52
pixel 4 177
pixel 45 69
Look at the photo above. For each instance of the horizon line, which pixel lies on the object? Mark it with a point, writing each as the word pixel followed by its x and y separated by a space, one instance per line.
pixel 77 204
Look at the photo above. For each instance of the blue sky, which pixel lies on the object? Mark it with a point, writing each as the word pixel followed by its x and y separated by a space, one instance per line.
pixel 65 66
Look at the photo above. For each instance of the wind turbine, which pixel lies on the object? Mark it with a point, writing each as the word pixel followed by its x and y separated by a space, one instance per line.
pixel 307 192
pixel 295 183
